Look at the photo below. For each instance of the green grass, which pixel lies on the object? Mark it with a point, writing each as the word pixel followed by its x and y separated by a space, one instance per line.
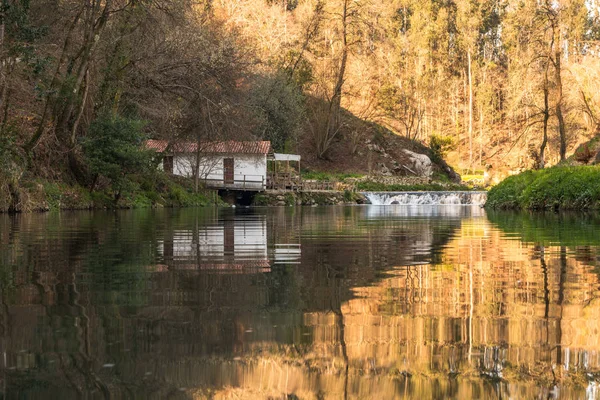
pixel 328 176
pixel 61 195
pixel 567 188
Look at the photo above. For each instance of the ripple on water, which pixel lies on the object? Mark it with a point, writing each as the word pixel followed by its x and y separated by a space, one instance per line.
pixel 392 301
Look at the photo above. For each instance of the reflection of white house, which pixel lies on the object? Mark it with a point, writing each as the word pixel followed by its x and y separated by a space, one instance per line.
pixel 233 245
pixel 223 165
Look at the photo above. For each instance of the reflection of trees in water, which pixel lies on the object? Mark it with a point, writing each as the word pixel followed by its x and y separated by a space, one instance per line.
pixel 376 306
pixel 100 300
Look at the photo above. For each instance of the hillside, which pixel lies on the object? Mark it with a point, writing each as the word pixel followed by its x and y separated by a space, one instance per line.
pixel 366 148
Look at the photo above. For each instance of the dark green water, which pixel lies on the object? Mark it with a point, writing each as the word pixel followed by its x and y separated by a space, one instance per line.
pixel 311 303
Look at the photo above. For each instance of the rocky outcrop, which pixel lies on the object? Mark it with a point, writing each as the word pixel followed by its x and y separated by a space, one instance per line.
pixel 420 164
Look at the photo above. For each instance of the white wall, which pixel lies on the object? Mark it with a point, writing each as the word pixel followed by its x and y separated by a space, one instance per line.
pixel 251 166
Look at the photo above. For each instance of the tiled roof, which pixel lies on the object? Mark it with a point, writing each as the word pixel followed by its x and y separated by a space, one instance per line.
pixel 262 147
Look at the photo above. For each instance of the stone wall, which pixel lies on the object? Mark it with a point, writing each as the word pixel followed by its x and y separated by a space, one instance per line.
pixel 308 198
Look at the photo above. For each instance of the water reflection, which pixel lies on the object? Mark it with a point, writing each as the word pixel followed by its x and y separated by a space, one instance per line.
pixel 332 302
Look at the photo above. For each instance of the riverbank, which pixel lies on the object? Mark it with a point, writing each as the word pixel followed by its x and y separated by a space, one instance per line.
pixel 41 195
pixel 556 188
pixel 167 191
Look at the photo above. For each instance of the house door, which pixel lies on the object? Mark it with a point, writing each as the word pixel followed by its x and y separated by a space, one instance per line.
pixel 228 170
pixel 168 164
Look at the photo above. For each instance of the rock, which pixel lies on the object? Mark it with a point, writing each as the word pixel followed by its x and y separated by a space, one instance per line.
pixel 385 171
pixel 362 199
pixel 419 163
pixel 596 159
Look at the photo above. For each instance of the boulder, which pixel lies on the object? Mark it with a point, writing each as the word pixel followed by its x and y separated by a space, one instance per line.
pixel 385 171
pixel 419 163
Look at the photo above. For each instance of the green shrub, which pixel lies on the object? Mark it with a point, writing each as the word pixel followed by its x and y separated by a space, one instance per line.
pixel 439 146
pixel 53 195
pixel 113 149
pixel 508 193
pixel 552 188
pixel 178 196
pixel 102 200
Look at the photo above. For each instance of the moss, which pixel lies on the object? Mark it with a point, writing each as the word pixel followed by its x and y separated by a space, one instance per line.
pixel 552 188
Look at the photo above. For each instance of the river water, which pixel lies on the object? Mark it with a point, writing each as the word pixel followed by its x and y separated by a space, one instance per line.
pixel 311 303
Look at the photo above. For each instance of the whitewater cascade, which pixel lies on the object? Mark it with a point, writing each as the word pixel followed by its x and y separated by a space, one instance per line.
pixel 427 198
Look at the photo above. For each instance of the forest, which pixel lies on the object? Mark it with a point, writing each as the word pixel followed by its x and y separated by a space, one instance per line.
pixel 503 84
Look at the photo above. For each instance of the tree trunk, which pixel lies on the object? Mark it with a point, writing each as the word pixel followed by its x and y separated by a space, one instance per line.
pixel 197 166
pixel 559 114
pixel 42 124
pixel 470 112
pixel 546 111
pixel 332 123
pixel 481 120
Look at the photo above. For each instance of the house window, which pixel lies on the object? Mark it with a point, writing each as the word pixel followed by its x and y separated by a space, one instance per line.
pixel 228 170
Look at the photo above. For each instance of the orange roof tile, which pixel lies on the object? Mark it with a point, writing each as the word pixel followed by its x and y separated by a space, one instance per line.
pixel 261 147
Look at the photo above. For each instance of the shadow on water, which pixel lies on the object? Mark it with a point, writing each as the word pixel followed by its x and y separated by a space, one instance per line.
pixel 324 302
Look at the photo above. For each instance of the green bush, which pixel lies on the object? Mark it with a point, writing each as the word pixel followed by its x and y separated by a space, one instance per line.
pixel 439 146
pixel 178 196
pixel 53 195
pixel 507 194
pixel 552 188
pixel 113 149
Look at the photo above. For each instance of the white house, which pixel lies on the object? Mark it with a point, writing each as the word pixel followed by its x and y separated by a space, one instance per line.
pixel 222 165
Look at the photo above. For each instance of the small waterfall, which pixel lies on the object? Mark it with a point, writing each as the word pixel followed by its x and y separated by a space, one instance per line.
pixel 427 198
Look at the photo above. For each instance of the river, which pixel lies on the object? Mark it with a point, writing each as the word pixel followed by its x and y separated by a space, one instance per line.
pixel 300 303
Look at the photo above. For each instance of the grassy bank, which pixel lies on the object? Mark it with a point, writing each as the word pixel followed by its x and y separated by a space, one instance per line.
pixel 567 188
pixel 160 191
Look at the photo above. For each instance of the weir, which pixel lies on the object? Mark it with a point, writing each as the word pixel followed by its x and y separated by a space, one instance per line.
pixel 427 198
